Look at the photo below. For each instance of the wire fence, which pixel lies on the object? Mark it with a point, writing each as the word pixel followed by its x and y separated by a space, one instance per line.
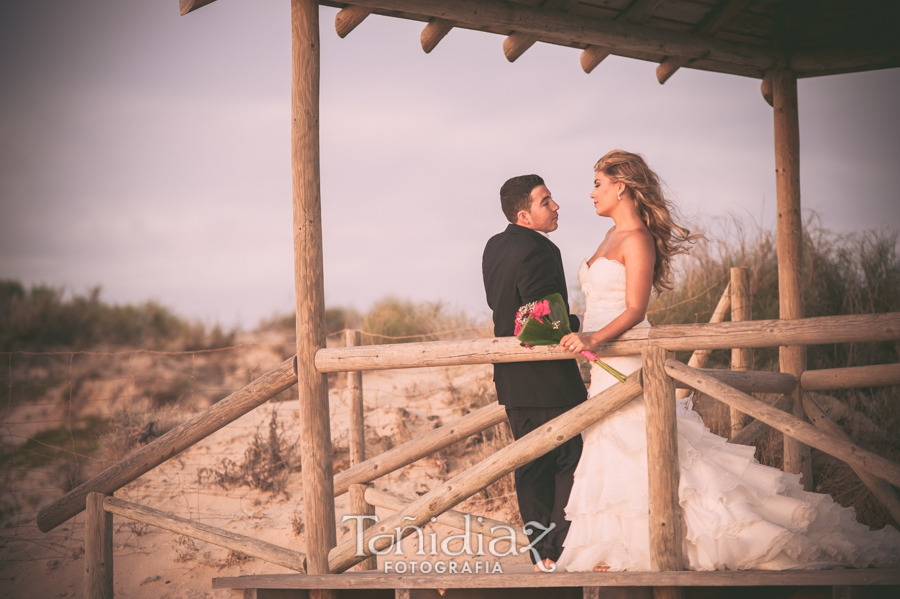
pixel 69 414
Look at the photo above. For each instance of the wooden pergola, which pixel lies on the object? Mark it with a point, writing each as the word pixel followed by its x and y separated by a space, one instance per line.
pixel 776 41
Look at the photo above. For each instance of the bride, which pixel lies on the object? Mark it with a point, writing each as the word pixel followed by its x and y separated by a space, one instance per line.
pixel 737 513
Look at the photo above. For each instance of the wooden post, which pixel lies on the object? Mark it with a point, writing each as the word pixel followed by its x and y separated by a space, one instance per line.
pixel 98 550
pixel 360 507
pixel 741 358
pixel 315 434
pixel 662 466
pixel 789 247
pixel 357 413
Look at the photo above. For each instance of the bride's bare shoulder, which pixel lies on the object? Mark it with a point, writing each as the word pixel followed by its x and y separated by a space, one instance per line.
pixel 638 242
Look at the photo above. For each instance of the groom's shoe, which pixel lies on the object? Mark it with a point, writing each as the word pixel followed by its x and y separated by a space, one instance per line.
pixel 545 565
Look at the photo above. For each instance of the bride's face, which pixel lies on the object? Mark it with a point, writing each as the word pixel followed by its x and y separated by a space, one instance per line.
pixel 605 194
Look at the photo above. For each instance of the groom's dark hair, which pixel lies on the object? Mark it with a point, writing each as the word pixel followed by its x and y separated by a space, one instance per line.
pixel 515 195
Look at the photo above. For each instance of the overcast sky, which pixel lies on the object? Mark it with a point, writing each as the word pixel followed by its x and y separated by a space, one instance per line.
pixel 150 153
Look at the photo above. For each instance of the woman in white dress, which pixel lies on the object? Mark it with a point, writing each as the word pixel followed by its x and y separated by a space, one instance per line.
pixel 737 513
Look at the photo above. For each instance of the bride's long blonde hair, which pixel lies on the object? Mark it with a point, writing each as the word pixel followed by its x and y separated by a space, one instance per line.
pixel 654 209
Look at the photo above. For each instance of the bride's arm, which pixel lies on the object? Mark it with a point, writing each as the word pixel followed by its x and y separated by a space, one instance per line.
pixel 639 260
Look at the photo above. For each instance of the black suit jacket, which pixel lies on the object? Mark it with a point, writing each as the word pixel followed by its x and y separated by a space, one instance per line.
pixel 521 266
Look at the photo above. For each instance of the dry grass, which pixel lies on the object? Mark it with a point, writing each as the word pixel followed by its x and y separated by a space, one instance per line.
pixel 267 463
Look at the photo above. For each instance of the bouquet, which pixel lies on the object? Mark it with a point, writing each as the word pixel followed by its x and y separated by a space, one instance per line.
pixel 546 322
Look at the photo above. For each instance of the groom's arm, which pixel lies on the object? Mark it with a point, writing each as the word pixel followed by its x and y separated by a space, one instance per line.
pixel 575 322
pixel 536 277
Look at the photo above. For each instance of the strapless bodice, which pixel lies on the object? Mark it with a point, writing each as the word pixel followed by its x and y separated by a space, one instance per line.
pixel 603 284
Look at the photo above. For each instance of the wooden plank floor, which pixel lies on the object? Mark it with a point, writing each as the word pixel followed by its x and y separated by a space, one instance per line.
pixel 522 577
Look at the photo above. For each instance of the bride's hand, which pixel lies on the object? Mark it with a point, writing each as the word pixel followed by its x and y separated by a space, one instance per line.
pixel 576 343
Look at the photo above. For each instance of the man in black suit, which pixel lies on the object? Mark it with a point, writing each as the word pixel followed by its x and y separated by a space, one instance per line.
pixel 521 265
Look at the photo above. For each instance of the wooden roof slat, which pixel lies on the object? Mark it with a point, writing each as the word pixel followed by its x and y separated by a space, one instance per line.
pixel 187 6
pixel 711 23
pixel 348 18
pixel 517 43
pixel 570 28
pixel 638 12
pixel 433 33
pixel 823 37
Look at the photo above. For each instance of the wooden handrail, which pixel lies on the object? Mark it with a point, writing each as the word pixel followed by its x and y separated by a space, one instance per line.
pixel 434 440
pixel 850 378
pixel 750 381
pixel 464 485
pixel 171 444
pixel 882 491
pixel 787 423
pixel 293 560
pixel 673 337
pixel 753 431
pixel 452 518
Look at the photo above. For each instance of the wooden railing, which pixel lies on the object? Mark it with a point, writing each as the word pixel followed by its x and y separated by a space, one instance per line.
pixel 661 375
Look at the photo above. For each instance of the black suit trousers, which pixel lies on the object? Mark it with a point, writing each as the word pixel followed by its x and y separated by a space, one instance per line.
pixel 543 486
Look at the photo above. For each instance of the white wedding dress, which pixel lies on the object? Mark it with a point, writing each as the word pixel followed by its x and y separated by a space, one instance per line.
pixel 738 514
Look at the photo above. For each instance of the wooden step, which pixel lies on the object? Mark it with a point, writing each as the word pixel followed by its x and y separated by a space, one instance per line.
pixel 518 581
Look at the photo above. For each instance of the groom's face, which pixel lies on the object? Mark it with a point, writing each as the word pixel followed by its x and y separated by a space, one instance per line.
pixel 543 215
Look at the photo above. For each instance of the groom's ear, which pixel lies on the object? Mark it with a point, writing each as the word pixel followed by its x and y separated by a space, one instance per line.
pixel 523 217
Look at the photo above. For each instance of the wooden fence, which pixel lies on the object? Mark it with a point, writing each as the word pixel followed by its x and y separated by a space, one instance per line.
pixel 657 381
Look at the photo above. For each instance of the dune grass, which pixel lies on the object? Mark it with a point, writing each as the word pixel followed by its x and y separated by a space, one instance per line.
pixel 43 317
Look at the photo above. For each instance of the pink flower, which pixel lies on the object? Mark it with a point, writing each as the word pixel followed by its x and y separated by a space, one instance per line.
pixel 541 308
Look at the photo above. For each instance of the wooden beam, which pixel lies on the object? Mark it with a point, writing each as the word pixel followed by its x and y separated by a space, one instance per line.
pixel 433 33
pixel 292 560
pixel 718 17
pixel 215 417
pixel 517 43
pixel 187 6
pixel 639 12
pixel 452 518
pixel 666 535
pixel 756 429
pixel 750 381
pixel 348 18
pixel 674 337
pixel 786 423
pixel 834 62
pixel 464 485
pixel 789 243
pixel 411 451
pixel 553 25
pixel 315 429
pixel 98 550
pixel 850 378
pixel 882 491
pixel 741 357
pixel 519 576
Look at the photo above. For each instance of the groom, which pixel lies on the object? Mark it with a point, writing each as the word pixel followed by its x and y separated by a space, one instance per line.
pixel 521 265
